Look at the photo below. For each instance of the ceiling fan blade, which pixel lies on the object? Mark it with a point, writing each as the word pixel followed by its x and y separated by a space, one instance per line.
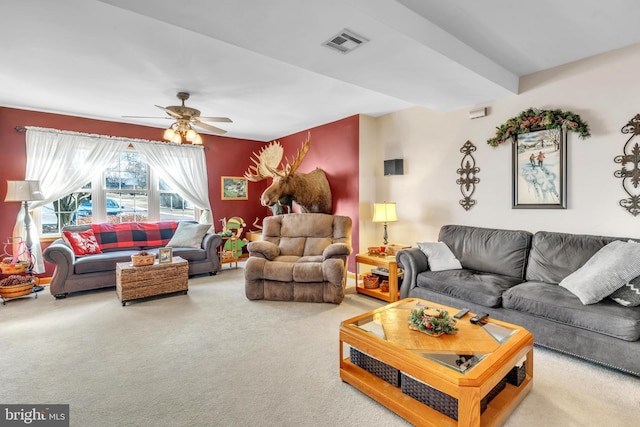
pixel 169 112
pixel 213 129
pixel 215 119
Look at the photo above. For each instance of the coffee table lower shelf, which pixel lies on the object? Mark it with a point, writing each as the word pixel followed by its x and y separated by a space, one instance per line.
pixel 419 414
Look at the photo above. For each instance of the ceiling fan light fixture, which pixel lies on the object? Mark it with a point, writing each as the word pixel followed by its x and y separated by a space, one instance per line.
pixel 182 130
pixel 191 134
pixel 169 133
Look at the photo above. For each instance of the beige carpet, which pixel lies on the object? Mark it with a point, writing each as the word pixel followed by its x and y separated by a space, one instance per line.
pixel 213 358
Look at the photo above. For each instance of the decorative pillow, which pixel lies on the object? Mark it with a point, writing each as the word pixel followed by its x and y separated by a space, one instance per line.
pixel 440 256
pixel 127 234
pixel 629 294
pixel 189 235
pixel 609 269
pixel 82 242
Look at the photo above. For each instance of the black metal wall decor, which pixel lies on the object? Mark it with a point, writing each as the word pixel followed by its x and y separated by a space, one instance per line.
pixel 630 170
pixel 467 172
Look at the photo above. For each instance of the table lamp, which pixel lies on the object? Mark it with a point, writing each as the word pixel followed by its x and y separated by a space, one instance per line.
pixel 25 191
pixel 385 212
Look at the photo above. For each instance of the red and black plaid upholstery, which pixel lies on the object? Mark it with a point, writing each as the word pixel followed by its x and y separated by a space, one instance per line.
pixel 128 234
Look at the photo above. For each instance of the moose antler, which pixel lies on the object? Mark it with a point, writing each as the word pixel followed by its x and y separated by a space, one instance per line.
pixel 293 165
pixel 267 160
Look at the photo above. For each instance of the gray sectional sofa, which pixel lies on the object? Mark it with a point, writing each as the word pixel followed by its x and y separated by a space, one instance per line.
pixel 80 273
pixel 514 276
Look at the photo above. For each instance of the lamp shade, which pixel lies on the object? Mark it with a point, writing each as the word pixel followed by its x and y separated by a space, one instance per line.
pixel 23 191
pixel 384 212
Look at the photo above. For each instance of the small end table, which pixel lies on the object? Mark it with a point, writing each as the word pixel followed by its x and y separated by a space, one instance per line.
pixel 388 262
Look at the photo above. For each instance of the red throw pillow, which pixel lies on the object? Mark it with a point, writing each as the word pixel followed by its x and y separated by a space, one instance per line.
pixel 82 242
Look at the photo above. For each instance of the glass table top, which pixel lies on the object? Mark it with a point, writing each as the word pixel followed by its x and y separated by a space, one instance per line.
pixel 460 351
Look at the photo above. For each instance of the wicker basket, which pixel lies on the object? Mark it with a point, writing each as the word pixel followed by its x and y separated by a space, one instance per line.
pixel 384 286
pixel 370 281
pixel 142 260
pixel 15 291
pixel 440 401
pixel 375 367
pixel 17 268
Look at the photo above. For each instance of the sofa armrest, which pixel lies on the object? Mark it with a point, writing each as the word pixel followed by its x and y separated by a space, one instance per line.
pixel 414 262
pixel 211 243
pixel 62 256
pixel 263 249
pixel 336 250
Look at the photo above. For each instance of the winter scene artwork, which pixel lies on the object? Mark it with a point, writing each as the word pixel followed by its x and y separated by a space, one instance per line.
pixel 539 170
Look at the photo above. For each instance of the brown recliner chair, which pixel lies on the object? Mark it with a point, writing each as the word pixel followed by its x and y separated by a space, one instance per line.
pixel 301 257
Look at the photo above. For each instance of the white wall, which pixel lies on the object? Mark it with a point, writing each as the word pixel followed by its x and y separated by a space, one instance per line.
pixel 604 90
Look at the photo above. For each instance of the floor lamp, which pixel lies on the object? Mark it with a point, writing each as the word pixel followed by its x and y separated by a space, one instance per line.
pixel 385 212
pixel 25 192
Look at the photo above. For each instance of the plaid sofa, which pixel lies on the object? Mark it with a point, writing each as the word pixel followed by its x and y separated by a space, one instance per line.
pixel 118 242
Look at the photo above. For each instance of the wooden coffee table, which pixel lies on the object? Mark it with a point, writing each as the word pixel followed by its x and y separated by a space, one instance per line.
pixel 475 377
pixel 150 280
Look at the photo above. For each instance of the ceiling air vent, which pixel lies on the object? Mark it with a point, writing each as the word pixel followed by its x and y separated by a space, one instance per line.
pixel 345 41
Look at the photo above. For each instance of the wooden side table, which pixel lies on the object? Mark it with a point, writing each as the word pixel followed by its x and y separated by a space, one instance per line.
pixel 388 262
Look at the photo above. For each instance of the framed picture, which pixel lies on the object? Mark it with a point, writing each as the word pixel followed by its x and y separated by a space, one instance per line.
pixel 539 170
pixel 165 255
pixel 234 188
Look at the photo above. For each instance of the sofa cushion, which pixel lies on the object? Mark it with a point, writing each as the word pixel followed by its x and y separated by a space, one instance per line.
pixel 188 235
pixel 126 235
pixel 82 242
pixel 480 288
pixel 557 304
pixel 439 256
pixel 316 245
pixel 556 255
pixel 502 252
pixel 308 272
pixel 293 246
pixel 608 270
pixel 629 294
pixel 190 254
pixel 105 261
pixel 278 271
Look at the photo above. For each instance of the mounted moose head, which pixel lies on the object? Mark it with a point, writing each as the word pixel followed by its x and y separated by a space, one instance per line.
pixel 309 190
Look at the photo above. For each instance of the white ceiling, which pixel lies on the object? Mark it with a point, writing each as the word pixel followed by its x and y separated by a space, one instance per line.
pixel 262 63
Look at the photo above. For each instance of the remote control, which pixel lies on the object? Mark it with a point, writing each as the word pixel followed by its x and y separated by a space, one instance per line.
pixel 461 313
pixel 480 318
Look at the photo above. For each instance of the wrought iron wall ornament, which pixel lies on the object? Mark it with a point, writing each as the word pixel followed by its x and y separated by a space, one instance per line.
pixel 467 172
pixel 630 175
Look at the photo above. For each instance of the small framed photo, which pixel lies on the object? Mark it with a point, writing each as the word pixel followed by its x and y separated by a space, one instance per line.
pixel 234 188
pixel 165 255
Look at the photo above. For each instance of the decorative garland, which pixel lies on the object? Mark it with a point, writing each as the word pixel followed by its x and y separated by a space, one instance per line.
pixel 532 119
pixel 432 321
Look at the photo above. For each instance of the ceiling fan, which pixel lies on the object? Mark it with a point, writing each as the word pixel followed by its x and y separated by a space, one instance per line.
pixel 186 117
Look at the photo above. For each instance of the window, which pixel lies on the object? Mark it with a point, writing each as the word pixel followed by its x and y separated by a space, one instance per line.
pixel 128 190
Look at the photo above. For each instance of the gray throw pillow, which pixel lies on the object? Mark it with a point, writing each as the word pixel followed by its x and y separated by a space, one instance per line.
pixel 188 235
pixel 629 294
pixel 608 270
pixel 439 256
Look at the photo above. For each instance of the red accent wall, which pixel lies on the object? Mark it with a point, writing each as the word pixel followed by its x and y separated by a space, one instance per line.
pixel 334 148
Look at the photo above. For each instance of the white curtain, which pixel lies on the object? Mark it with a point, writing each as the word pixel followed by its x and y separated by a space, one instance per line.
pixel 184 168
pixel 64 161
